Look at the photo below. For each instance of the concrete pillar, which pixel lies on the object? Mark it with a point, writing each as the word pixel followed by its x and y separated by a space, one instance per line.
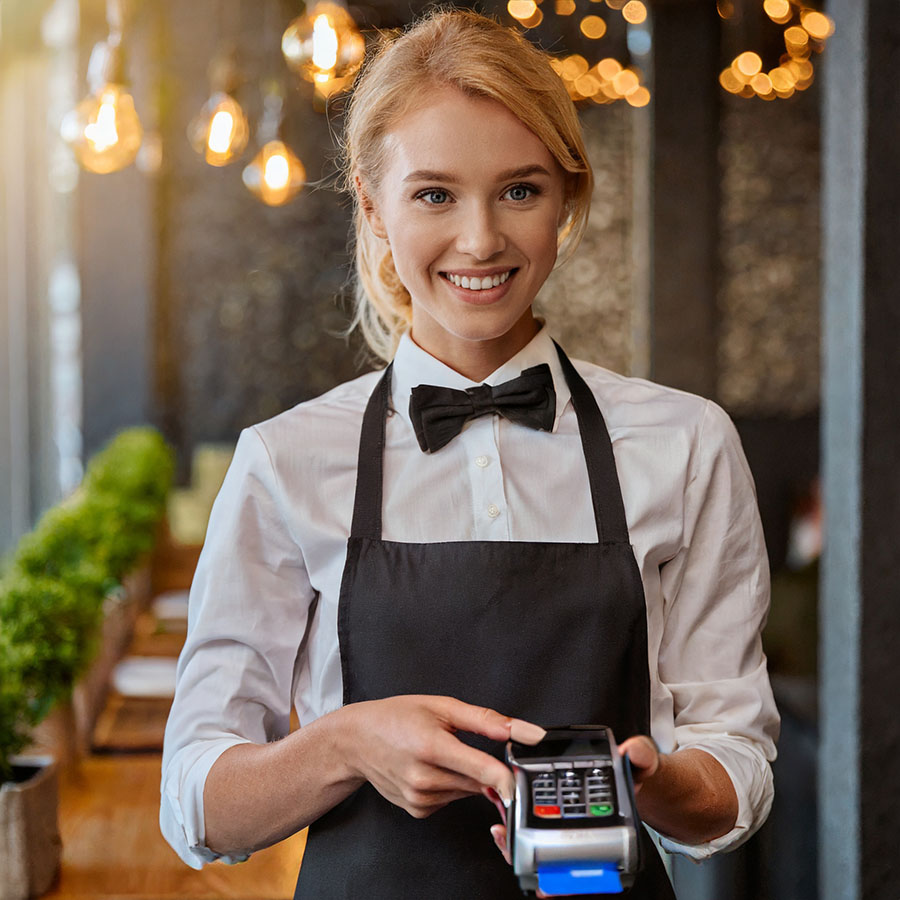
pixel 684 194
pixel 859 813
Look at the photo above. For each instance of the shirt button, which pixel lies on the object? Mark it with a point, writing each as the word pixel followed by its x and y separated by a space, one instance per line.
pixel 481 461
pixel 493 511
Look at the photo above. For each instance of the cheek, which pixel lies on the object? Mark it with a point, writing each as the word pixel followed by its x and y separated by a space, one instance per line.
pixel 415 246
pixel 543 243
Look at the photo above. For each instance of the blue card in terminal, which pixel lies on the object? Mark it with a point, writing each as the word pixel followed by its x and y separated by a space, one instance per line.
pixel 568 878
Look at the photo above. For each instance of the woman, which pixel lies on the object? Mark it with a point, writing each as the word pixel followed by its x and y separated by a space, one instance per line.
pixel 416 555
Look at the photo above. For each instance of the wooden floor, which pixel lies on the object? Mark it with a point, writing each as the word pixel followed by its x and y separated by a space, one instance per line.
pixel 109 817
pixel 112 846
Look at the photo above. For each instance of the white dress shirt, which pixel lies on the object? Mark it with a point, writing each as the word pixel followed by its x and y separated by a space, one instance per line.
pixel 277 540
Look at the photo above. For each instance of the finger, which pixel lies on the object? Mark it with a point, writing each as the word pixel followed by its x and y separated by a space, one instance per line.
pixel 460 716
pixel 419 803
pixel 428 787
pixel 526 732
pixel 494 797
pixel 498 833
pixel 453 754
pixel 643 754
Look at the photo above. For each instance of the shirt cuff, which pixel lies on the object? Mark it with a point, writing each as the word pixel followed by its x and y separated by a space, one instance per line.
pixel 751 777
pixel 181 808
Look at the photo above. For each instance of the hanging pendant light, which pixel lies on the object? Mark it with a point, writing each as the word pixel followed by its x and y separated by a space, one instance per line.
pixel 220 131
pixel 275 175
pixel 324 44
pixel 104 131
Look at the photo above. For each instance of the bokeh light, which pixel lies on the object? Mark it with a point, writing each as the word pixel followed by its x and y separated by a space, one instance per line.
pixel 521 9
pixel 816 24
pixel 749 63
pixel 634 12
pixel 778 11
pixel 593 27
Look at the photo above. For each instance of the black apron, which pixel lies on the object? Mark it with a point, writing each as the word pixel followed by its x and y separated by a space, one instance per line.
pixel 553 633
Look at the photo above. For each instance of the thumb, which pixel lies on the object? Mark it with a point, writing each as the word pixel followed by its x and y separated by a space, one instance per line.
pixel 643 754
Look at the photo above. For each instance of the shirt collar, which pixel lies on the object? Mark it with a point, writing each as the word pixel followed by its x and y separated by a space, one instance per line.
pixel 414 366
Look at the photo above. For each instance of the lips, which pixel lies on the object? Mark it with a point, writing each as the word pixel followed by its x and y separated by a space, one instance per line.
pixel 473 281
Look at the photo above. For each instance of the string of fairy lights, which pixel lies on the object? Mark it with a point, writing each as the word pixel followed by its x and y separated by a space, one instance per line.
pixel 325 47
pixel 805 33
pixel 606 80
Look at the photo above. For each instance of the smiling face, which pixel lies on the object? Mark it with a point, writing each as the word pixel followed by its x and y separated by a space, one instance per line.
pixel 471 202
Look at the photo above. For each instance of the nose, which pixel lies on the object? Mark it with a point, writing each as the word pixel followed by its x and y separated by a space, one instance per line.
pixel 480 233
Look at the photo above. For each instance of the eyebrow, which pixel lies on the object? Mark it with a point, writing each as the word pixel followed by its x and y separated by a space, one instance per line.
pixel 446 178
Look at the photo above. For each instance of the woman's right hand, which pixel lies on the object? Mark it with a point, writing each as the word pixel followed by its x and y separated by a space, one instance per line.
pixel 407 749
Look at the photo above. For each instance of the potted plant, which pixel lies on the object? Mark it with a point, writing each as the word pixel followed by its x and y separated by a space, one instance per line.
pixel 54 592
pixel 44 638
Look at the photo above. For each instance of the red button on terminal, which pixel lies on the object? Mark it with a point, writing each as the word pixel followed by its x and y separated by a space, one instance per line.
pixel 548 811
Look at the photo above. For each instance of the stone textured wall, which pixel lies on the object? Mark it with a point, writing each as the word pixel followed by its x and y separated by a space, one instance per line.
pixel 769 291
pixel 588 300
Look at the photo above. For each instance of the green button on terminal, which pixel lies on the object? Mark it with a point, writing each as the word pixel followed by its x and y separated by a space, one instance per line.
pixel 601 809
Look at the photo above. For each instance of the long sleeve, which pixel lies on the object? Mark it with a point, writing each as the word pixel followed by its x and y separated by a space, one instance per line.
pixel 248 611
pixel 716 595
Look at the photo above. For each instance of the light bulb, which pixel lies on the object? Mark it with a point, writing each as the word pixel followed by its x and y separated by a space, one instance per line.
pixel 325 42
pixel 220 131
pixel 104 130
pixel 326 86
pixel 275 175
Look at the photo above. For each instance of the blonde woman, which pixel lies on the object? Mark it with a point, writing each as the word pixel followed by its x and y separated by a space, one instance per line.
pixel 480 540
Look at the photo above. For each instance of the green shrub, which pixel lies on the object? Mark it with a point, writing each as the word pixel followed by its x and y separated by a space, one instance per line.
pixel 16 716
pixel 57 626
pixel 67 545
pixel 53 585
pixel 138 465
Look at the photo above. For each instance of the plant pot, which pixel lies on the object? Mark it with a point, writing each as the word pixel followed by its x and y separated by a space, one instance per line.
pixel 57 737
pixel 30 845
pixel 67 731
pixel 120 614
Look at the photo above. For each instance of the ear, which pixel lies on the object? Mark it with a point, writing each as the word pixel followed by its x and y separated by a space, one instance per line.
pixel 367 205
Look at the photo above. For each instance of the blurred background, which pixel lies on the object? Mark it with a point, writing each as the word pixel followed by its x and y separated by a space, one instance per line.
pixel 173 247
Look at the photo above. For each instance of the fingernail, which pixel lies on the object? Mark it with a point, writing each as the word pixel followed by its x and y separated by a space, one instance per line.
pixel 526 732
pixel 506 794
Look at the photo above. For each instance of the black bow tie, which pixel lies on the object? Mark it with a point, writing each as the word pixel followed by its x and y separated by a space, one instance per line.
pixel 439 413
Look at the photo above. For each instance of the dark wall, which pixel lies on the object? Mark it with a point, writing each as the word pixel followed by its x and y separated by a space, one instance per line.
pixel 249 323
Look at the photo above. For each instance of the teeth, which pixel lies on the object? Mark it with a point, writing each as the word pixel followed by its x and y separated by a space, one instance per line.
pixel 478 284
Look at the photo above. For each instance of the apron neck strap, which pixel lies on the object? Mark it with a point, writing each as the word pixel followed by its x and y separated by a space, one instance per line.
pixel 609 510
pixel 370 467
pixel 606 493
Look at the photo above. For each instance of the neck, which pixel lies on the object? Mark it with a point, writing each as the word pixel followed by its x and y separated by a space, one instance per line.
pixel 476 359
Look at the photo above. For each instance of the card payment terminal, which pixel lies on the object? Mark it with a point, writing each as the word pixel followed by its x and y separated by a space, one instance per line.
pixel 572 825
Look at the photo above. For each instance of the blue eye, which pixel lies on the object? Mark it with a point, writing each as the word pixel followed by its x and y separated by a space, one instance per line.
pixel 520 192
pixel 433 196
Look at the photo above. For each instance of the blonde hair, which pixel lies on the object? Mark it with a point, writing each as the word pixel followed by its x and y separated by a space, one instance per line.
pixel 482 58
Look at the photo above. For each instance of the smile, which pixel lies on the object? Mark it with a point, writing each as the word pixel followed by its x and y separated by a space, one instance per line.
pixel 478 283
